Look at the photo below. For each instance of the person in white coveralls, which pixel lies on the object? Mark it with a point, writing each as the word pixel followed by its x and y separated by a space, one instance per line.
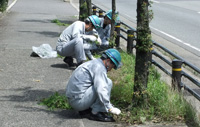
pixel 70 42
pixel 103 33
pixel 88 89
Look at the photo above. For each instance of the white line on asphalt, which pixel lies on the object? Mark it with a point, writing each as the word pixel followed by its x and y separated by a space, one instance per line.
pixel 191 46
pixel 77 8
pixel 176 39
pixel 154 1
pixel 167 35
pixel 13 3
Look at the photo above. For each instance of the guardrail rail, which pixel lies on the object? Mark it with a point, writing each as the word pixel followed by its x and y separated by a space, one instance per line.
pixel 176 64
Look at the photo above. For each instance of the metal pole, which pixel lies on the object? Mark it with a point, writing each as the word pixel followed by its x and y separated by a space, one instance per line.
pixel 117 29
pixel 101 13
pixel 176 74
pixel 94 10
pixel 130 38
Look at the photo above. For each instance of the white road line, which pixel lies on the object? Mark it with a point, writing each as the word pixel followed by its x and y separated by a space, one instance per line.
pixel 168 35
pixel 154 1
pixel 189 45
pixel 10 6
pixel 72 3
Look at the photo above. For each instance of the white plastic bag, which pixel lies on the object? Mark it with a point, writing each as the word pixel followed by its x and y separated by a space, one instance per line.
pixel 44 51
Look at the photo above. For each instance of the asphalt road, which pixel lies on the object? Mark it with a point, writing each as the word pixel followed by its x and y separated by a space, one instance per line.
pixel 175 20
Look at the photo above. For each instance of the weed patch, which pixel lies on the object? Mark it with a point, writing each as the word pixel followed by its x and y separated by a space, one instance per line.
pixel 59 23
pixel 56 101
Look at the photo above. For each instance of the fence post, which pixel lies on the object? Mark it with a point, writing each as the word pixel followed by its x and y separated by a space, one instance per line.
pixel 176 74
pixel 130 38
pixel 100 13
pixel 117 29
pixel 94 10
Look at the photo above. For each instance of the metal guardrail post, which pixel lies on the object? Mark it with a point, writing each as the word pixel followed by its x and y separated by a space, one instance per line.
pixel 101 13
pixel 176 74
pixel 130 38
pixel 117 29
pixel 94 10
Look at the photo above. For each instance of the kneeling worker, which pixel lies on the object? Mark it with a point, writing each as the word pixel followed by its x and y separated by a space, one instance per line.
pixel 70 42
pixel 88 90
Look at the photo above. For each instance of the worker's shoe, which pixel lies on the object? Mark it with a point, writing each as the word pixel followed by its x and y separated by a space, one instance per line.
pixel 107 115
pixel 69 61
pixel 100 116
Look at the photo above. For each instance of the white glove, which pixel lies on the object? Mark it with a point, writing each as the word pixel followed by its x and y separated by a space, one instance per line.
pixel 115 111
pixel 89 37
pixel 99 40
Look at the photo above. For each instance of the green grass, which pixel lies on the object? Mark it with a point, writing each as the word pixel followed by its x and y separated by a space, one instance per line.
pixel 59 23
pixel 56 101
pixel 163 104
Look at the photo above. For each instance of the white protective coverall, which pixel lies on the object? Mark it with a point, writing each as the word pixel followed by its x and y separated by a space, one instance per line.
pixel 70 43
pixel 89 87
pixel 104 33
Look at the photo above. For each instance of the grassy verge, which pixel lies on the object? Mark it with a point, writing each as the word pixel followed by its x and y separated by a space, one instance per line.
pixel 163 103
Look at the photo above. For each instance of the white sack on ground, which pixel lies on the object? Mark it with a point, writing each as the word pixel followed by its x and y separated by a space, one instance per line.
pixel 44 51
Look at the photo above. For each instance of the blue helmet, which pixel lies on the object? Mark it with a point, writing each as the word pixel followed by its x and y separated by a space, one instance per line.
pixel 109 15
pixel 95 20
pixel 115 56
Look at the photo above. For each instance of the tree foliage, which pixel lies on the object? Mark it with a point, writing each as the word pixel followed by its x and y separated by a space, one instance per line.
pixel 85 9
pixel 3 5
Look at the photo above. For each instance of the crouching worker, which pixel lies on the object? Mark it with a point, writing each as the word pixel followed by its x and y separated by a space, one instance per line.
pixel 104 30
pixel 88 90
pixel 103 33
pixel 70 42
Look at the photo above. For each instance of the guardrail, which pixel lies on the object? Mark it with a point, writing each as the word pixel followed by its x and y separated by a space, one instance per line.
pixel 175 64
